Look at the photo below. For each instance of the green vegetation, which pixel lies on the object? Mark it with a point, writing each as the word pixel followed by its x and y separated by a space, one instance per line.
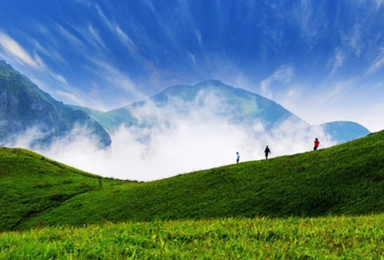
pixel 346 179
pixel 258 238
pixel 32 184
pixel 303 206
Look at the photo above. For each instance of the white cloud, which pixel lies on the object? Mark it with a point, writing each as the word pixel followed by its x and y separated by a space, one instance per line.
pixel 18 53
pixel 59 78
pixel 25 139
pixel 196 139
pixel 188 147
pixel 284 74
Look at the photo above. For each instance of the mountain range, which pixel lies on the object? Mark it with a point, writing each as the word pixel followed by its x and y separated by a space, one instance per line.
pixel 24 106
pixel 218 100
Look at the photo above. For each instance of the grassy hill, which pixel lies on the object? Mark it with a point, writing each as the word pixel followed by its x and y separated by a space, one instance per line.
pixel 31 184
pixel 347 179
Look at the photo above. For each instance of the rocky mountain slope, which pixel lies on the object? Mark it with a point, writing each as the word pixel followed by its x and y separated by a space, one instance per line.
pixel 24 106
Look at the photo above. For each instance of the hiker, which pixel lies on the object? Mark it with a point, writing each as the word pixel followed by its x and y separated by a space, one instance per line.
pixel 238 157
pixel 317 142
pixel 267 151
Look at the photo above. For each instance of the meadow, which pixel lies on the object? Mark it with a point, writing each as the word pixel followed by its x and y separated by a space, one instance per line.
pixel 257 238
pixel 325 204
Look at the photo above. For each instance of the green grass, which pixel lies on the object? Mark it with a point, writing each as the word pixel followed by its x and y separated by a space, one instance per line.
pixel 31 184
pixel 347 179
pixel 325 204
pixel 258 238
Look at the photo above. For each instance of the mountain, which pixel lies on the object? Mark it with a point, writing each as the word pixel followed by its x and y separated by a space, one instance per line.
pixel 344 131
pixel 24 106
pixel 216 99
pixel 235 104
pixel 345 179
pixel 210 97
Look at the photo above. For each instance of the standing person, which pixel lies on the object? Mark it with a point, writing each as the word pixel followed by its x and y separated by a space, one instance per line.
pixel 317 142
pixel 237 157
pixel 267 151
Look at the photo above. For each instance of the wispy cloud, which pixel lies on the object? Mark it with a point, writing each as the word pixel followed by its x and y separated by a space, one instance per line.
pixel 117 30
pixel 192 57
pixel 96 36
pixel 379 3
pixel 91 39
pixel 71 97
pixel 338 60
pixel 73 40
pixel 111 25
pixel 39 72
pixel 116 78
pixel 312 20
pixel 59 78
pixel 36 69
pixel 126 40
pixel 354 39
pixel 47 52
pixel 377 64
pixel 18 53
pixel 198 37
pixel 284 74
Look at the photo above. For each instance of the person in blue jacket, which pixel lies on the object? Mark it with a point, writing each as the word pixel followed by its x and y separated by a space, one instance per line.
pixel 238 157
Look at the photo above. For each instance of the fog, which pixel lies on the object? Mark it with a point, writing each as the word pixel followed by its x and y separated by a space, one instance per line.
pixel 181 138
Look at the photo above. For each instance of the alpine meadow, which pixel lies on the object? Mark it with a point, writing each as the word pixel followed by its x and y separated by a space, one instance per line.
pixel 320 204
pixel 191 130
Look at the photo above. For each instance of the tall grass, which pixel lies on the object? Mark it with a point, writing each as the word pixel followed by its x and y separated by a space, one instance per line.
pixel 259 238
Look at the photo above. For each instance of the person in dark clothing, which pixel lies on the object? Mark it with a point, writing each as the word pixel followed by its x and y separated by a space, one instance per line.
pixel 316 144
pixel 267 151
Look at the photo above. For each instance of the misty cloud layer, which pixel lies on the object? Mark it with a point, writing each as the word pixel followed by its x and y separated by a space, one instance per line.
pixel 185 137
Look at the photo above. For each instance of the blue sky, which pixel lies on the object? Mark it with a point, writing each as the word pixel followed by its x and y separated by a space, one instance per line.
pixel 322 60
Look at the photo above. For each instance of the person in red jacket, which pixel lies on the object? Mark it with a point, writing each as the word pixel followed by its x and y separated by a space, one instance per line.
pixel 317 142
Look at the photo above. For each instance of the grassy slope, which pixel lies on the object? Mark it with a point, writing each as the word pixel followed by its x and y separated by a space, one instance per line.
pixel 346 179
pixel 31 184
